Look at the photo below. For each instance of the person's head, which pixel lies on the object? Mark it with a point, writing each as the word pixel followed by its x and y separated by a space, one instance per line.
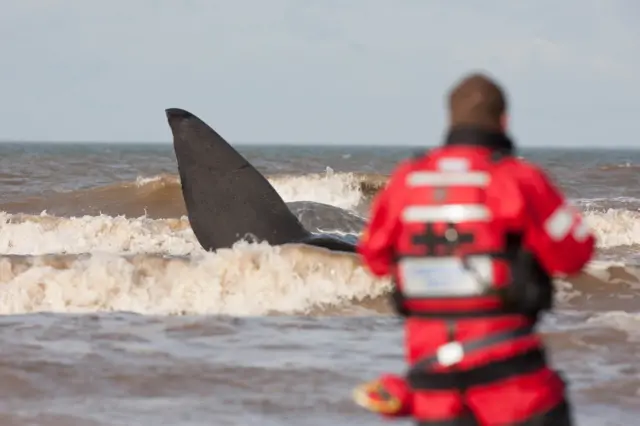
pixel 478 101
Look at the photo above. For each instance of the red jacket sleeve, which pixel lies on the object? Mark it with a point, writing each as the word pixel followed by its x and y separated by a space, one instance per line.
pixel 376 245
pixel 557 233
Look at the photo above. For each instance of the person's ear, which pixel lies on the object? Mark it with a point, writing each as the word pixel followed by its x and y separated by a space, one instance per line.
pixel 504 122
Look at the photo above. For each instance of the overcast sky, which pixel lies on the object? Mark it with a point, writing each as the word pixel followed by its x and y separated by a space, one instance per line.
pixel 307 71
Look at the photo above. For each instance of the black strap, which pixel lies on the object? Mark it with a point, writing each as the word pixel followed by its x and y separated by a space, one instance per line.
pixel 525 363
pixel 462 315
pixel 482 343
pixel 422 376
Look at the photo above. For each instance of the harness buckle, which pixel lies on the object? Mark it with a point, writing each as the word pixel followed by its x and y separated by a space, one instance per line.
pixel 450 354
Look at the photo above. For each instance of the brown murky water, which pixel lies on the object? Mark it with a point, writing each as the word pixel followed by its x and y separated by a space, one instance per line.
pixel 113 315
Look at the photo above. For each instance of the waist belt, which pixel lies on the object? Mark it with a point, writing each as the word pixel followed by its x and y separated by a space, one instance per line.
pixel 422 376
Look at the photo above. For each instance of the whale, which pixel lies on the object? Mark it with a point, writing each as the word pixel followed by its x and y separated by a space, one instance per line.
pixel 227 199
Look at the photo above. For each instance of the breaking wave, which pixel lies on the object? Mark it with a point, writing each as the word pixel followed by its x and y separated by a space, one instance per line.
pixel 129 247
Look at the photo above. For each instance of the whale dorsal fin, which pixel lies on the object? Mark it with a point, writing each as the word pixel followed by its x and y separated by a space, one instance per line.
pixel 226 198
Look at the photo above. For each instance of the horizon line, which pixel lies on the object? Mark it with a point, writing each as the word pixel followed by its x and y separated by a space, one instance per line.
pixel 290 143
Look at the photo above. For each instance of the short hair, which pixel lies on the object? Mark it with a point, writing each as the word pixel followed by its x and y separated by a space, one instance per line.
pixel 477 100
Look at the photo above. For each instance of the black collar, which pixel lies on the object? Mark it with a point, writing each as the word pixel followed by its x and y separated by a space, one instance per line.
pixel 493 140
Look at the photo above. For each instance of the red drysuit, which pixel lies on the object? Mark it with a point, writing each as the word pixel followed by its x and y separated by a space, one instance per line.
pixel 471 236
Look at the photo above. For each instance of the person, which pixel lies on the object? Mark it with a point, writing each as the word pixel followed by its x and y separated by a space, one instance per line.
pixel 472 236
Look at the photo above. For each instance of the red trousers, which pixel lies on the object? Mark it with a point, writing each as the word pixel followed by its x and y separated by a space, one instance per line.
pixel 534 399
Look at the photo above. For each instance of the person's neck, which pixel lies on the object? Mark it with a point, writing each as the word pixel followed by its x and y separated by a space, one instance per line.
pixel 495 140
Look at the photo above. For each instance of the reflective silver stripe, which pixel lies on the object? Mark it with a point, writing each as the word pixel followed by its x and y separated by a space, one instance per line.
pixel 559 224
pixel 448 178
pixel 453 164
pixel 445 276
pixel 581 232
pixel 448 213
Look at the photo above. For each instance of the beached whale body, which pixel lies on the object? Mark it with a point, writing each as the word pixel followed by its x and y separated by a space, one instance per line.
pixel 227 199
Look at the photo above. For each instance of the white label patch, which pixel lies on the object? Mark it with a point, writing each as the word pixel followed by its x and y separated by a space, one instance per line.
pixel 438 277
